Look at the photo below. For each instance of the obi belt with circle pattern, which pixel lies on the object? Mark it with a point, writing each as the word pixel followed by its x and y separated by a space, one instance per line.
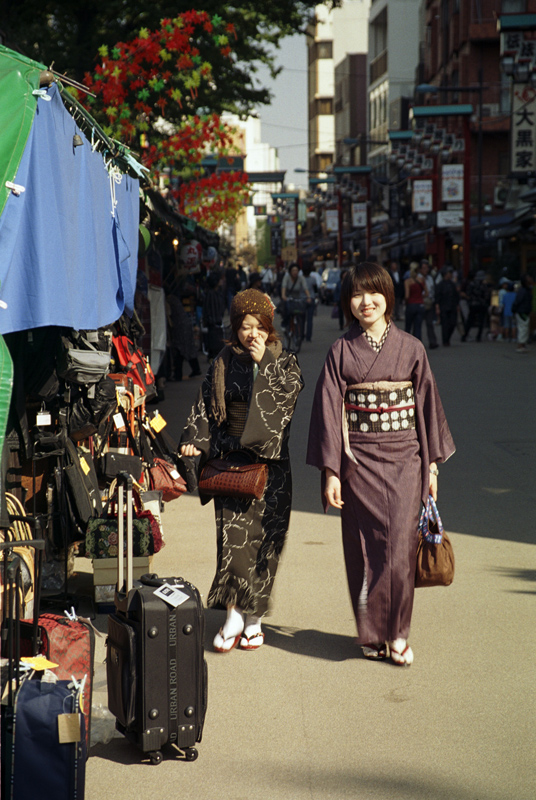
pixel 380 407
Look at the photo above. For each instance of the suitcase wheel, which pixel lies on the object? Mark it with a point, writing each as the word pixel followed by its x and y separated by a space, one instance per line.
pixel 156 757
pixel 191 753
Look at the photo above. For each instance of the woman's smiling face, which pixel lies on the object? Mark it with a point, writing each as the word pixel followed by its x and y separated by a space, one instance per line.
pixel 368 307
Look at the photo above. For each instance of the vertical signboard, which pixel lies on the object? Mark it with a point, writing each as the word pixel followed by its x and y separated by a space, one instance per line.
pixel 332 220
pixel 452 183
pixel 523 129
pixel 423 198
pixel 359 215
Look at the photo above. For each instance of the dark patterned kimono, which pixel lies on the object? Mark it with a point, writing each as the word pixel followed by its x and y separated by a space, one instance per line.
pixel 250 533
pixel 378 423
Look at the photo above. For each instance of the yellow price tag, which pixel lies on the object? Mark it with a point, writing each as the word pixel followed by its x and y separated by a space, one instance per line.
pixel 158 423
pixel 84 465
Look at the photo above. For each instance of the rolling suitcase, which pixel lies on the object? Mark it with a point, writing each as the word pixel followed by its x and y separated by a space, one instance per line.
pixel 155 665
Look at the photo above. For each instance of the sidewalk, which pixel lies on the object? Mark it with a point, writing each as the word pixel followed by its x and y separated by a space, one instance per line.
pixel 306 716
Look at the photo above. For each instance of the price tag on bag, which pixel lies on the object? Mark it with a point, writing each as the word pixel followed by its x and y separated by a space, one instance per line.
pixel 119 422
pixel 43 418
pixel 85 466
pixel 69 728
pixel 172 595
pixel 157 423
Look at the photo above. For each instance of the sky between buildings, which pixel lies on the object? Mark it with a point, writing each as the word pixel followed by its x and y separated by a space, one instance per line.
pixel 284 122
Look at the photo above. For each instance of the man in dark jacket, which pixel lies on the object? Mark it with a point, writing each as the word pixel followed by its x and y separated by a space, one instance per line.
pixel 446 304
pixel 478 299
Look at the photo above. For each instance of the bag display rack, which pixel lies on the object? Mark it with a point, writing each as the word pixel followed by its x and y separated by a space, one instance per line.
pixel 72 431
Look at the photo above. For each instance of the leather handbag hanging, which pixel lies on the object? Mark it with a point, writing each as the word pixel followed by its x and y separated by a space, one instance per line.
pixel 435 556
pixel 231 477
pixel 165 478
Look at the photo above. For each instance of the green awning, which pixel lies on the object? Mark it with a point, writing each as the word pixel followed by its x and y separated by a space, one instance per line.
pixel 19 76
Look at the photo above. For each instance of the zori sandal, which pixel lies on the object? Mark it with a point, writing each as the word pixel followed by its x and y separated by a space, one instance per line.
pixel 374 652
pixel 223 645
pixel 252 642
pixel 401 653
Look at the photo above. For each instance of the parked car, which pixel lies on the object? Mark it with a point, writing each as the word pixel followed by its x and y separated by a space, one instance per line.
pixel 330 279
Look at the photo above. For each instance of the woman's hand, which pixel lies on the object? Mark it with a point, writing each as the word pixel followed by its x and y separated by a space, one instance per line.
pixel 190 450
pixel 432 489
pixel 332 491
pixel 256 349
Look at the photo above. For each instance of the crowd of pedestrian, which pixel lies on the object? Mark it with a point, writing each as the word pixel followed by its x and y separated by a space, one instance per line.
pixel 443 301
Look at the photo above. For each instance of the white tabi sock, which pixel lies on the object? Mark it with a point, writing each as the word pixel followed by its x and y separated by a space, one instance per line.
pixel 252 626
pixel 234 624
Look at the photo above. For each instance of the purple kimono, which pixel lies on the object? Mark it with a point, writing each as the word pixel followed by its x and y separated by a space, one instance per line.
pixel 381 452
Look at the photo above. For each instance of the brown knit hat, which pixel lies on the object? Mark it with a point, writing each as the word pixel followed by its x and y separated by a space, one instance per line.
pixel 251 301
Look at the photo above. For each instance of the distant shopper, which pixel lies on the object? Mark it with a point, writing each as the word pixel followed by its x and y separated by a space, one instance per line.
pixel 414 294
pixel 293 287
pixel 478 294
pixel 310 280
pixel 429 304
pixel 446 305
pixel 509 331
pixel 522 307
pixel 213 311
pixel 267 279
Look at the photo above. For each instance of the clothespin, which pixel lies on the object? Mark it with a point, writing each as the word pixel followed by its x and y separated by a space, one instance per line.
pixel 72 615
pixel 15 188
pixel 42 93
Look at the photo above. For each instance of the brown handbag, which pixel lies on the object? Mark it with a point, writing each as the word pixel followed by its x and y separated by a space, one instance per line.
pixel 435 556
pixel 228 477
pixel 165 478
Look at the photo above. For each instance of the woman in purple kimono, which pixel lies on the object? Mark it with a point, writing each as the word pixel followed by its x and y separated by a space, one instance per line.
pixel 378 432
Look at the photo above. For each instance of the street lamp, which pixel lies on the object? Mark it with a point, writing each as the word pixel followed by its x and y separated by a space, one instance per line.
pixel 424 88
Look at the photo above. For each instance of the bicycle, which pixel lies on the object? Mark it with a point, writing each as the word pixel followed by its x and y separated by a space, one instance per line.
pixel 296 325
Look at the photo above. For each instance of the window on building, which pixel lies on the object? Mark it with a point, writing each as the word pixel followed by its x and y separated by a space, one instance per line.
pixel 324 161
pixel 513 6
pixel 324 49
pixel 324 106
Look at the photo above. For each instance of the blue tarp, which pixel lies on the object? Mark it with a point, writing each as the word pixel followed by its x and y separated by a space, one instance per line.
pixel 65 259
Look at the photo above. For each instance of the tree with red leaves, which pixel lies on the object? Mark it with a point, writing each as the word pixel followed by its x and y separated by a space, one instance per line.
pixel 146 95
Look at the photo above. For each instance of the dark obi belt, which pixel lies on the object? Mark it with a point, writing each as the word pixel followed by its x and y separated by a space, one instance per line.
pixel 379 407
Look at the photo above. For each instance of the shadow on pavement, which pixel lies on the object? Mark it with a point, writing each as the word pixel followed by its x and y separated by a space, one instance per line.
pixel 312 643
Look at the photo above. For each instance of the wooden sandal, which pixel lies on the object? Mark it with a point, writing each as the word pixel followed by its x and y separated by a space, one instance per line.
pixel 374 652
pixel 221 644
pixel 246 641
pixel 401 653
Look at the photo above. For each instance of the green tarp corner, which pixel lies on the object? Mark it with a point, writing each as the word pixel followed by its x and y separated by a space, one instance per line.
pixel 19 76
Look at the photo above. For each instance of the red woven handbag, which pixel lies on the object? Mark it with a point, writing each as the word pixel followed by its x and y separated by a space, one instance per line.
pixel 165 478
pixel 225 478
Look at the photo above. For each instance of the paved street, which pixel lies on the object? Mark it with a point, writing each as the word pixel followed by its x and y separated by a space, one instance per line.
pixel 306 717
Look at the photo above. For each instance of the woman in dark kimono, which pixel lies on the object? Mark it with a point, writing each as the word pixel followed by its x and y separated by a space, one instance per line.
pixel 246 403
pixel 378 432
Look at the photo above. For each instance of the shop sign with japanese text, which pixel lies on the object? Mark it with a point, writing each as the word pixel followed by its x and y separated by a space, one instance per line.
pixel 523 129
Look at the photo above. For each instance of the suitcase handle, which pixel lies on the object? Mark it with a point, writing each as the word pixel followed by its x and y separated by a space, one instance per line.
pixel 152 579
pixel 124 479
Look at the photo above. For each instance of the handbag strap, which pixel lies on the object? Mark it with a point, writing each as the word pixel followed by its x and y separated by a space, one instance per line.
pixel 429 514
